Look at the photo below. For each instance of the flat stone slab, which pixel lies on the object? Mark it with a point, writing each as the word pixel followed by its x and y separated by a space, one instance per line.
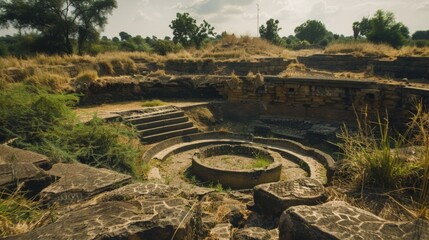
pixel 143 191
pixel 32 177
pixel 276 197
pixel 138 219
pixel 339 220
pixel 15 155
pixel 255 233
pixel 222 231
pixel 79 182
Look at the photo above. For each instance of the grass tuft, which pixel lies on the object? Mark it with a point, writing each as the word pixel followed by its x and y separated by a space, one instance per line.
pixel 153 103
pixel 18 214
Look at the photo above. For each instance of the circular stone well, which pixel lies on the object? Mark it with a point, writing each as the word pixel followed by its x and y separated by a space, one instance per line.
pixel 230 175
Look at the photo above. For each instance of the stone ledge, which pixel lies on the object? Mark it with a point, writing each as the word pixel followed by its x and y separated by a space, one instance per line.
pixel 274 198
pixel 79 182
pixel 338 220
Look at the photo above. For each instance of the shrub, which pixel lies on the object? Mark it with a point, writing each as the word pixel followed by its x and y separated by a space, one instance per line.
pixel 372 159
pixel 95 143
pixel 26 112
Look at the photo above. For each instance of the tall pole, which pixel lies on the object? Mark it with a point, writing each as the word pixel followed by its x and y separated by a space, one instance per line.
pixel 257 21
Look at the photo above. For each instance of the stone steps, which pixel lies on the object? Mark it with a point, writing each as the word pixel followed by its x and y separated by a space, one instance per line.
pixel 139 119
pixel 164 122
pixel 165 128
pixel 166 135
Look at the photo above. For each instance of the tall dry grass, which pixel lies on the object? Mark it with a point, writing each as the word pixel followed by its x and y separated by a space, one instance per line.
pixel 362 49
pixel 375 50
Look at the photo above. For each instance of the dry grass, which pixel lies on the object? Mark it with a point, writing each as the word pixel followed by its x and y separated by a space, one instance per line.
pixel 362 49
pixel 19 215
pixel 153 103
pixel 413 51
pixel 45 78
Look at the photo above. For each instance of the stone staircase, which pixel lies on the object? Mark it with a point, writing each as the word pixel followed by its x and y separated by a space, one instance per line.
pixel 157 124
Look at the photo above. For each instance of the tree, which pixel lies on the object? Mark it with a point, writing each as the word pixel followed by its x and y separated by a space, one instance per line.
pixel 271 31
pixel 188 33
pixel 421 35
pixel 356 29
pixel 384 29
pixel 312 31
pixel 364 26
pixel 58 21
pixel 124 36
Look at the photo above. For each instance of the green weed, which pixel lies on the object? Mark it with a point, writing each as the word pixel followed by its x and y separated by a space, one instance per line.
pixel 153 103
pixel 18 214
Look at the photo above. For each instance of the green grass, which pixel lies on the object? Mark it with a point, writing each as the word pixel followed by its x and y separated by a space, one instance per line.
pixel 153 103
pixel 371 157
pixel 261 161
pixel 45 123
pixel 18 214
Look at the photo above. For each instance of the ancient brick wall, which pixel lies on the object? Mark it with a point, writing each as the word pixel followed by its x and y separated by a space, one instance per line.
pixel 323 99
pixel 402 67
pixel 267 66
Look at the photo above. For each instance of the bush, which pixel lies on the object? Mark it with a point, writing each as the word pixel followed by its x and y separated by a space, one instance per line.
pixel 26 112
pixel 162 47
pixel 44 123
pixel 372 159
pixel 95 143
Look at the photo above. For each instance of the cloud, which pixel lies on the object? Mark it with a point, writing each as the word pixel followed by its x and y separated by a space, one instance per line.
pixel 321 10
pixel 213 6
pixel 424 7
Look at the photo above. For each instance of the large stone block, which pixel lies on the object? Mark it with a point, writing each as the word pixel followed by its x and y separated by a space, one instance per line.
pixel 32 178
pixel 15 155
pixel 79 182
pixel 276 197
pixel 121 220
pixel 338 220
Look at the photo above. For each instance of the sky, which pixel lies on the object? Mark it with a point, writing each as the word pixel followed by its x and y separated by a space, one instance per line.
pixel 152 17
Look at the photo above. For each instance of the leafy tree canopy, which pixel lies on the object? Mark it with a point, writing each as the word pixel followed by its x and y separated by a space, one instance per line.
pixel 421 35
pixel 312 31
pixel 188 33
pixel 58 21
pixel 271 31
pixel 384 29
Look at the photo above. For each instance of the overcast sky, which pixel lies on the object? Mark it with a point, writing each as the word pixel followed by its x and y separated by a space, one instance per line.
pixel 152 17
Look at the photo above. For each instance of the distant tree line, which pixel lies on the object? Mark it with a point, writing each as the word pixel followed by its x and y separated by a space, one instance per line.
pixel 381 28
pixel 73 26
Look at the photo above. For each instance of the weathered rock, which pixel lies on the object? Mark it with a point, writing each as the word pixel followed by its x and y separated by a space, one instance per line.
pixel 142 191
pixel 320 132
pixel 276 197
pixel 79 182
pixel 339 220
pixel 253 233
pixel 221 231
pixel 32 178
pixel 138 219
pixel 16 155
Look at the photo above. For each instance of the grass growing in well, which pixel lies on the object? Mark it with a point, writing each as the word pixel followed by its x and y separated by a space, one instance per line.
pixel 153 103
pixel 373 160
pixel 371 157
pixel 261 161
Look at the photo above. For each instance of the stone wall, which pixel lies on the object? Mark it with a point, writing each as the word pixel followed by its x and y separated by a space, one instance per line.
pixel 322 99
pixel 267 66
pixel 402 67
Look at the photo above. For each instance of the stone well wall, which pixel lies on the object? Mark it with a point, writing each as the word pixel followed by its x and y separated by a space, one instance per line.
pixel 402 67
pixel 269 66
pixel 322 99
